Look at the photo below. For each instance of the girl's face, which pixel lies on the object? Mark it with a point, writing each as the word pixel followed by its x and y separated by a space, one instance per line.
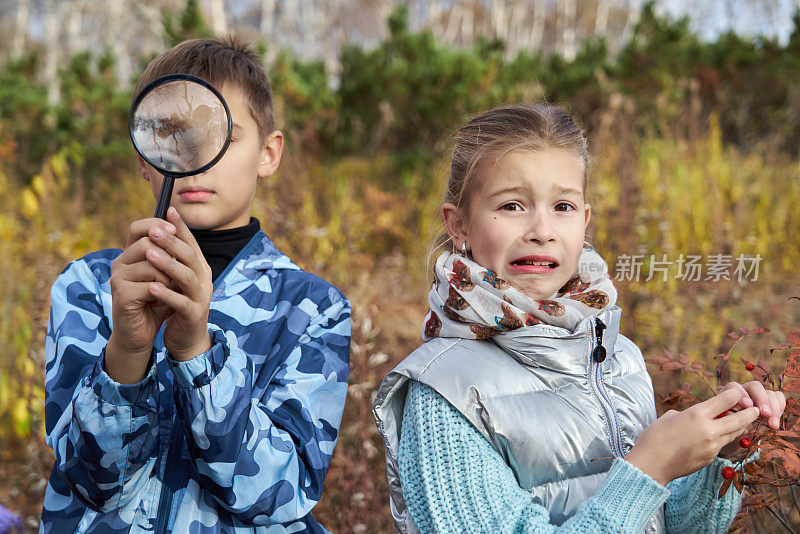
pixel 526 220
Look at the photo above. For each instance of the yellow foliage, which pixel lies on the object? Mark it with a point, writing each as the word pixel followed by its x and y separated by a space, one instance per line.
pixel 29 204
pixel 21 417
pixel 334 219
pixel 58 163
pixel 37 185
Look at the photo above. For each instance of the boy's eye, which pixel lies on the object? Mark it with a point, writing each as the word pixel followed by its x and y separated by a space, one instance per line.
pixel 564 204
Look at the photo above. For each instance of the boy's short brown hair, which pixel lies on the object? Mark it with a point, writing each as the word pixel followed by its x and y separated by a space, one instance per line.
pixel 228 60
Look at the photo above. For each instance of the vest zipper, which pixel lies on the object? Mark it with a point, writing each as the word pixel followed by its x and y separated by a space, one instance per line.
pixel 598 355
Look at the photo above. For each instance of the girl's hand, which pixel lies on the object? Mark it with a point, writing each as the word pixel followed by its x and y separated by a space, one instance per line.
pixel 680 443
pixel 189 296
pixel 769 403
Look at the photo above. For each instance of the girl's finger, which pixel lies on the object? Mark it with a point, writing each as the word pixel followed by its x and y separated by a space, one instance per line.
pixel 775 399
pixel 746 400
pixel 724 400
pixel 760 397
pixel 736 422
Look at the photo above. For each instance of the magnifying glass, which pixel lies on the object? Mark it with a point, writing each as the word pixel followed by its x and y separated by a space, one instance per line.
pixel 181 126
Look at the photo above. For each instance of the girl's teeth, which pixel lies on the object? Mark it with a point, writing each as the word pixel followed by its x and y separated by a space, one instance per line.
pixel 538 263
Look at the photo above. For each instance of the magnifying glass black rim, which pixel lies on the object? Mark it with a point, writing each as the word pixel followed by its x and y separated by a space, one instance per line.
pixel 169 78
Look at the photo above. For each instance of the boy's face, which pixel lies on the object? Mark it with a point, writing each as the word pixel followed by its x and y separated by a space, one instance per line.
pixel 222 197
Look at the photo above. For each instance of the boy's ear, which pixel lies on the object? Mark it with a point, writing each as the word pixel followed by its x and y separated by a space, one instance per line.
pixel 144 168
pixel 271 155
pixel 454 223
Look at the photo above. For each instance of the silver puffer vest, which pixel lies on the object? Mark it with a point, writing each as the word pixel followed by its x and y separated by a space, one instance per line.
pixel 547 399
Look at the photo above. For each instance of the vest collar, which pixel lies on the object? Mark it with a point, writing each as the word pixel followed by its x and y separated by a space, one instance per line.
pixel 559 349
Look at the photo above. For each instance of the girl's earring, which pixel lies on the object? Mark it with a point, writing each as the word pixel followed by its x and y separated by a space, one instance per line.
pixel 464 249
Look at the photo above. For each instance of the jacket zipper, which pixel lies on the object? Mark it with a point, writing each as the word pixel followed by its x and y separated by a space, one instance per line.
pixel 598 355
pixel 165 501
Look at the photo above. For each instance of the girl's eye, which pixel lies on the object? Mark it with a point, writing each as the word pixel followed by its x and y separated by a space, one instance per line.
pixel 511 206
pixel 568 206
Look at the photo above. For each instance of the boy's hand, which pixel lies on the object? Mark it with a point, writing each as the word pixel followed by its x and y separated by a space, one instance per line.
pixel 137 315
pixel 179 258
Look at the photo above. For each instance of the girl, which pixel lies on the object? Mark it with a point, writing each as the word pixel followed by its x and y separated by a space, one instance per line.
pixel 525 410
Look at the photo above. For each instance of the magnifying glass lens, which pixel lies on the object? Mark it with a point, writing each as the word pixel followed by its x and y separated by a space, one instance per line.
pixel 179 127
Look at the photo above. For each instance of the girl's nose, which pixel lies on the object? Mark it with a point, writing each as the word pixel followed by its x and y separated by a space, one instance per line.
pixel 540 227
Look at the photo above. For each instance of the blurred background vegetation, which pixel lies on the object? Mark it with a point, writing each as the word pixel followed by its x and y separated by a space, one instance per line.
pixel 695 142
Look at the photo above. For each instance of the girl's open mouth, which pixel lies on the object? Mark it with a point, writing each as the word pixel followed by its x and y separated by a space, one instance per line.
pixel 534 264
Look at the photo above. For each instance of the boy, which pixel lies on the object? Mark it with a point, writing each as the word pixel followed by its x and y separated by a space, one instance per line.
pixel 195 381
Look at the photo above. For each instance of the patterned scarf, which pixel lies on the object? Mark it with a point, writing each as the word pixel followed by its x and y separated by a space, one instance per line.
pixel 471 302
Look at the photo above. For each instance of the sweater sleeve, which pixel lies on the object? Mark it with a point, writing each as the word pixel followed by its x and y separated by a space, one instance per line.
pixel 693 506
pixel 453 480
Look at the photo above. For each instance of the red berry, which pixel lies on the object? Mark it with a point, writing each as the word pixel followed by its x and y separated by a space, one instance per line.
pixel 750 366
pixel 727 472
pixel 745 443
pixel 723 414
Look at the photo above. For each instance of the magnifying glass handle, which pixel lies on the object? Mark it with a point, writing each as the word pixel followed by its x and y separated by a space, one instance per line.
pixel 164 197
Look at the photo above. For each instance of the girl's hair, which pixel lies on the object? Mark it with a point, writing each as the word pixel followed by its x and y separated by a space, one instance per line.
pixel 496 133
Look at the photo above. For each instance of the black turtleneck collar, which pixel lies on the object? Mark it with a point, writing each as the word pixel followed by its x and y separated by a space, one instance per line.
pixel 221 246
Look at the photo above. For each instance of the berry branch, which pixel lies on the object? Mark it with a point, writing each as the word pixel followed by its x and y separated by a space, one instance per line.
pixel 769 459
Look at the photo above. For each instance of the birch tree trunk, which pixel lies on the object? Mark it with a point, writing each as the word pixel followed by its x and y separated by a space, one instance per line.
pixel 454 22
pixel 468 24
pixel 516 37
pixel 499 21
pixel 51 47
pixel 434 12
pixel 152 18
pixel 75 39
pixel 634 14
pixel 568 29
pixel 537 28
pixel 20 28
pixel 267 18
pixel 219 24
pixel 601 18
pixel 115 26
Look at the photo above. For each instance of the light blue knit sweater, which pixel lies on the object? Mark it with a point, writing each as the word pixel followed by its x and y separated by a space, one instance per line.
pixel 455 481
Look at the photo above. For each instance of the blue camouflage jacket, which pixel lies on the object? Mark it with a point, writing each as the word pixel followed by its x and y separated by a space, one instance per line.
pixel 238 439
